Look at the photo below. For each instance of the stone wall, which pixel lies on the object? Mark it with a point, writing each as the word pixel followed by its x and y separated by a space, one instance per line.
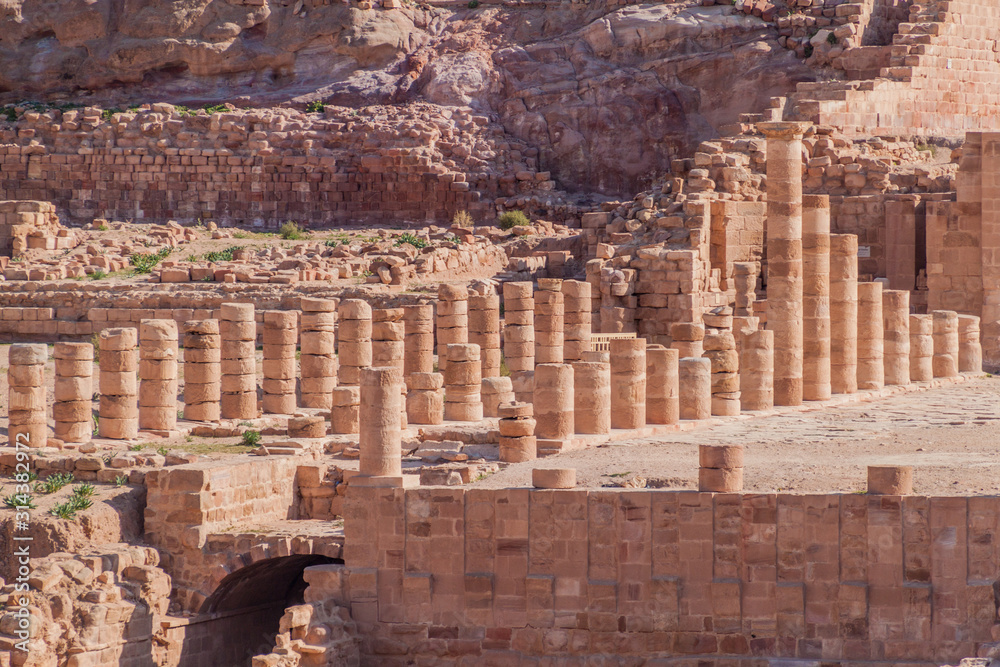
pixel 437 573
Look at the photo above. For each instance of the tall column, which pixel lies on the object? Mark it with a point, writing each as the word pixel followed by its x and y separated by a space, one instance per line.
pixel 628 383
pixel 380 440
pixel 662 390
pixel 591 397
pixel 418 343
pixel 158 370
pixel 945 343
pixel 549 322
pixel 970 349
pixel 425 398
pixel 484 331
pixel 554 401
pixel 119 407
pixel 784 256
pixel 463 383
pixel 695 379
pixel 871 367
pixel 26 395
pixel 202 370
pixel 388 333
pixel 74 391
pixel 239 362
pixel 896 327
pixel 519 333
pixel 720 349
pixel 921 348
pixel 354 344
pixel 816 297
pixel 318 358
pixel 843 313
pixel 757 371
pixel 452 320
pixel 577 319
pixel 281 333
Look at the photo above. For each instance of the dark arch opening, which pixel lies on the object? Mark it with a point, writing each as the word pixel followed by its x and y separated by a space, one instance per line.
pixel 240 619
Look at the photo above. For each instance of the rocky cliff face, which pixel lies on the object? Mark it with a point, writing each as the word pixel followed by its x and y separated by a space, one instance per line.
pixel 606 96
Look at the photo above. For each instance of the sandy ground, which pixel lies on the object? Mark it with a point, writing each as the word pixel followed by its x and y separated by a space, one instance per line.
pixel 950 435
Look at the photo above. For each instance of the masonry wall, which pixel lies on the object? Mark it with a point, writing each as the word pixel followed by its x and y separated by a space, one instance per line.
pixel 438 573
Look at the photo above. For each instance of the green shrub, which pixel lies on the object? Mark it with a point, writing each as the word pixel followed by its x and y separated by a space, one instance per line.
pixel 121 480
pixel 84 490
pixel 512 219
pixel 64 510
pixel 251 438
pixel 473 4
pixel 315 107
pixel 100 274
pixel 54 482
pixel 290 231
pixel 831 39
pixel 414 241
pixel 222 255
pixel 144 262
pixel 19 501
pixel 108 113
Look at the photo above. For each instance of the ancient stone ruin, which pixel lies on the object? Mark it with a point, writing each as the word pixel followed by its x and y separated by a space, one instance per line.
pixel 392 332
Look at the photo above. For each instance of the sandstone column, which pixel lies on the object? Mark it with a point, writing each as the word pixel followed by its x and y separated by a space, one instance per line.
pixel 816 297
pixel 628 383
pixel 74 392
pixel 784 256
pixel 745 282
pixel 591 397
pixel 695 380
pixel 896 327
pixel 388 334
pixel 380 439
pixel 281 333
pixel 452 320
pixel 554 402
pixel 720 349
pixel 577 319
pixel 463 383
pixel 202 370
pixel 757 371
pixel 843 313
pixel 871 367
pixel 158 369
pixel 517 433
pixel 495 392
pixel 425 398
pixel 26 395
pixel 921 348
pixel 354 345
pixel 119 407
pixel 318 357
pixel 345 409
pixel 418 342
pixel 688 338
pixel 549 322
pixel 484 331
pixel 945 343
pixel 890 480
pixel 662 389
pixel 720 468
pixel 519 334
pixel 239 363
pixel 970 350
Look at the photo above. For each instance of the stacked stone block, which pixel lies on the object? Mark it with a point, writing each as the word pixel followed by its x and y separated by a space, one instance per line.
pixel 452 320
pixel 549 322
pixel 591 397
pixel 345 409
pixel 688 338
pixel 388 334
pixel 519 335
pixel 354 346
pixel 463 383
pixel 694 376
pixel 380 437
pixel 662 388
pixel 517 433
pixel 577 319
pixel 118 411
pixel 720 468
pixel 484 331
pixel 281 332
pixel 158 356
pixel 871 367
pixel 27 425
pixel 896 336
pixel 74 391
pixel 318 358
pixel 970 349
pixel 843 313
pixel 757 371
pixel 554 403
pixel 628 383
pixel 418 342
pixel 425 398
pixel 945 343
pixel 921 348
pixel 202 370
pixel 816 298
pixel 745 282
pixel 720 349
pixel 495 392
pixel 239 364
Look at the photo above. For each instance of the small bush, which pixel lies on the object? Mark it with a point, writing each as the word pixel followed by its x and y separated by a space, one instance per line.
pixel 414 241
pixel 19 501
pixel 462 219
pixel 98 275
pixel 64 510
pixel 144 262
pixel 108 113
pixel 222 255
pixel 54 482
pixel 315 107
pixel 290 231
pixel 251 438
pixel 512 219
pixel 84 490
pixel 831 39
pixel 121 480
pixel 473 4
